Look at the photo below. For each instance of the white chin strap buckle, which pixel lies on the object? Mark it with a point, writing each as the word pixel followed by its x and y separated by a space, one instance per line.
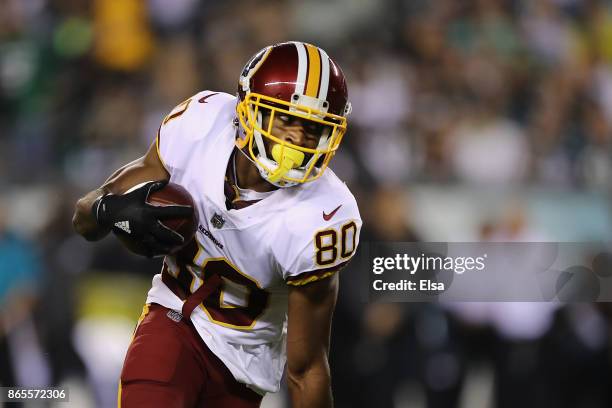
pixel 269 167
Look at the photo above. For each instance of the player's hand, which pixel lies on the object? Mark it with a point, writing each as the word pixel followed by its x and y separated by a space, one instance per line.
pixel 131 215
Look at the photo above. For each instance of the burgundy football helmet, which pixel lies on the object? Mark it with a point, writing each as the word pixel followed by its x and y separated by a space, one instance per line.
pixel 300 80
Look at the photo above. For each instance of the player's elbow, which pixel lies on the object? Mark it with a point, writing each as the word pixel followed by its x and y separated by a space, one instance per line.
pixel 83 222
pixel 78 221
pixel 315 372
pixel 80 229
pixel 310 386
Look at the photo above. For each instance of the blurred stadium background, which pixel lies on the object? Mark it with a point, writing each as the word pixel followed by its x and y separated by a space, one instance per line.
pixel 473 120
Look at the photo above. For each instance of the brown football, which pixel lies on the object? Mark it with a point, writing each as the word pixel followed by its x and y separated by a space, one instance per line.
pixel 170 194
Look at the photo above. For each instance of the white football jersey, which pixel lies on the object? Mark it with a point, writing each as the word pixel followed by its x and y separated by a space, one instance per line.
pixel 292 237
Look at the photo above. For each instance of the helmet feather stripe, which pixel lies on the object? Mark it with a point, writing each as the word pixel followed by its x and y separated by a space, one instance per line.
pixel 314 71
pixel 302 68
pixel 324 75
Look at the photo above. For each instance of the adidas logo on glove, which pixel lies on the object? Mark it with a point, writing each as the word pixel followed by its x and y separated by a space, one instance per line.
pixel 124 225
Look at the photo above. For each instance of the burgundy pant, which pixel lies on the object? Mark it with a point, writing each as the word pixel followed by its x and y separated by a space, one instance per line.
pixel 168 365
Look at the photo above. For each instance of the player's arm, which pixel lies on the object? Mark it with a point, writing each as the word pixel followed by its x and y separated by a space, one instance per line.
pixel 310 313
pixel 148 167
pixel 100 210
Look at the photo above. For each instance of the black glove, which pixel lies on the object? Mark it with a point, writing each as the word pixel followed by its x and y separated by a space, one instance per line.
pixel 130 215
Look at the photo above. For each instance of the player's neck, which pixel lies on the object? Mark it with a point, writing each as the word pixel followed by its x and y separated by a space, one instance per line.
pixel 248 177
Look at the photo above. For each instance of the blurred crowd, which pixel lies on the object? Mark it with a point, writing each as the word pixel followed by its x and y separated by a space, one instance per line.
pixel 482 91
pixel 472 119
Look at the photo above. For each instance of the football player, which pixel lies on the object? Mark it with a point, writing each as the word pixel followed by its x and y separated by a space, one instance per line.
pixel 257 286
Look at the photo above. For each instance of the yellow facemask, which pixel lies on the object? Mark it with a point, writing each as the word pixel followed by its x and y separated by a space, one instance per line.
pixel 286 167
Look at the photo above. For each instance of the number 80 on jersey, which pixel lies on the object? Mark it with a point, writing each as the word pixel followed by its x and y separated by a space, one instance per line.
pixel 331 244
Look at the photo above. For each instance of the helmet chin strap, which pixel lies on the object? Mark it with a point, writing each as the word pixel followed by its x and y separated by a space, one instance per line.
pixel 287 159
pixel 271 164
pixel 261 148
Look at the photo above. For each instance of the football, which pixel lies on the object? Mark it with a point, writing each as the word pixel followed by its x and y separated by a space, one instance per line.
pixel 170 194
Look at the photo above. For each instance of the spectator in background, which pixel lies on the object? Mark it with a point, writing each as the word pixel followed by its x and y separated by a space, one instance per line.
pixel 22 362
pixel 383 146
pixel 124 41
pixel 488 148
pixel 65 259
pixel 369 368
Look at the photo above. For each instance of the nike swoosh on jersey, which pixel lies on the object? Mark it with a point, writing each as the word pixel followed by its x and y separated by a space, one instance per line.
pixel 329 216
pixel 204 98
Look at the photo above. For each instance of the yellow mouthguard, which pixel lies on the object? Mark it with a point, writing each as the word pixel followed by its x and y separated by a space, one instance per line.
pixel 287 159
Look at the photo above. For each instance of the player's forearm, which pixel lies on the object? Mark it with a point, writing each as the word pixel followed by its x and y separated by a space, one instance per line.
pixel 136 172
pixel 310 388
pixel 84 221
